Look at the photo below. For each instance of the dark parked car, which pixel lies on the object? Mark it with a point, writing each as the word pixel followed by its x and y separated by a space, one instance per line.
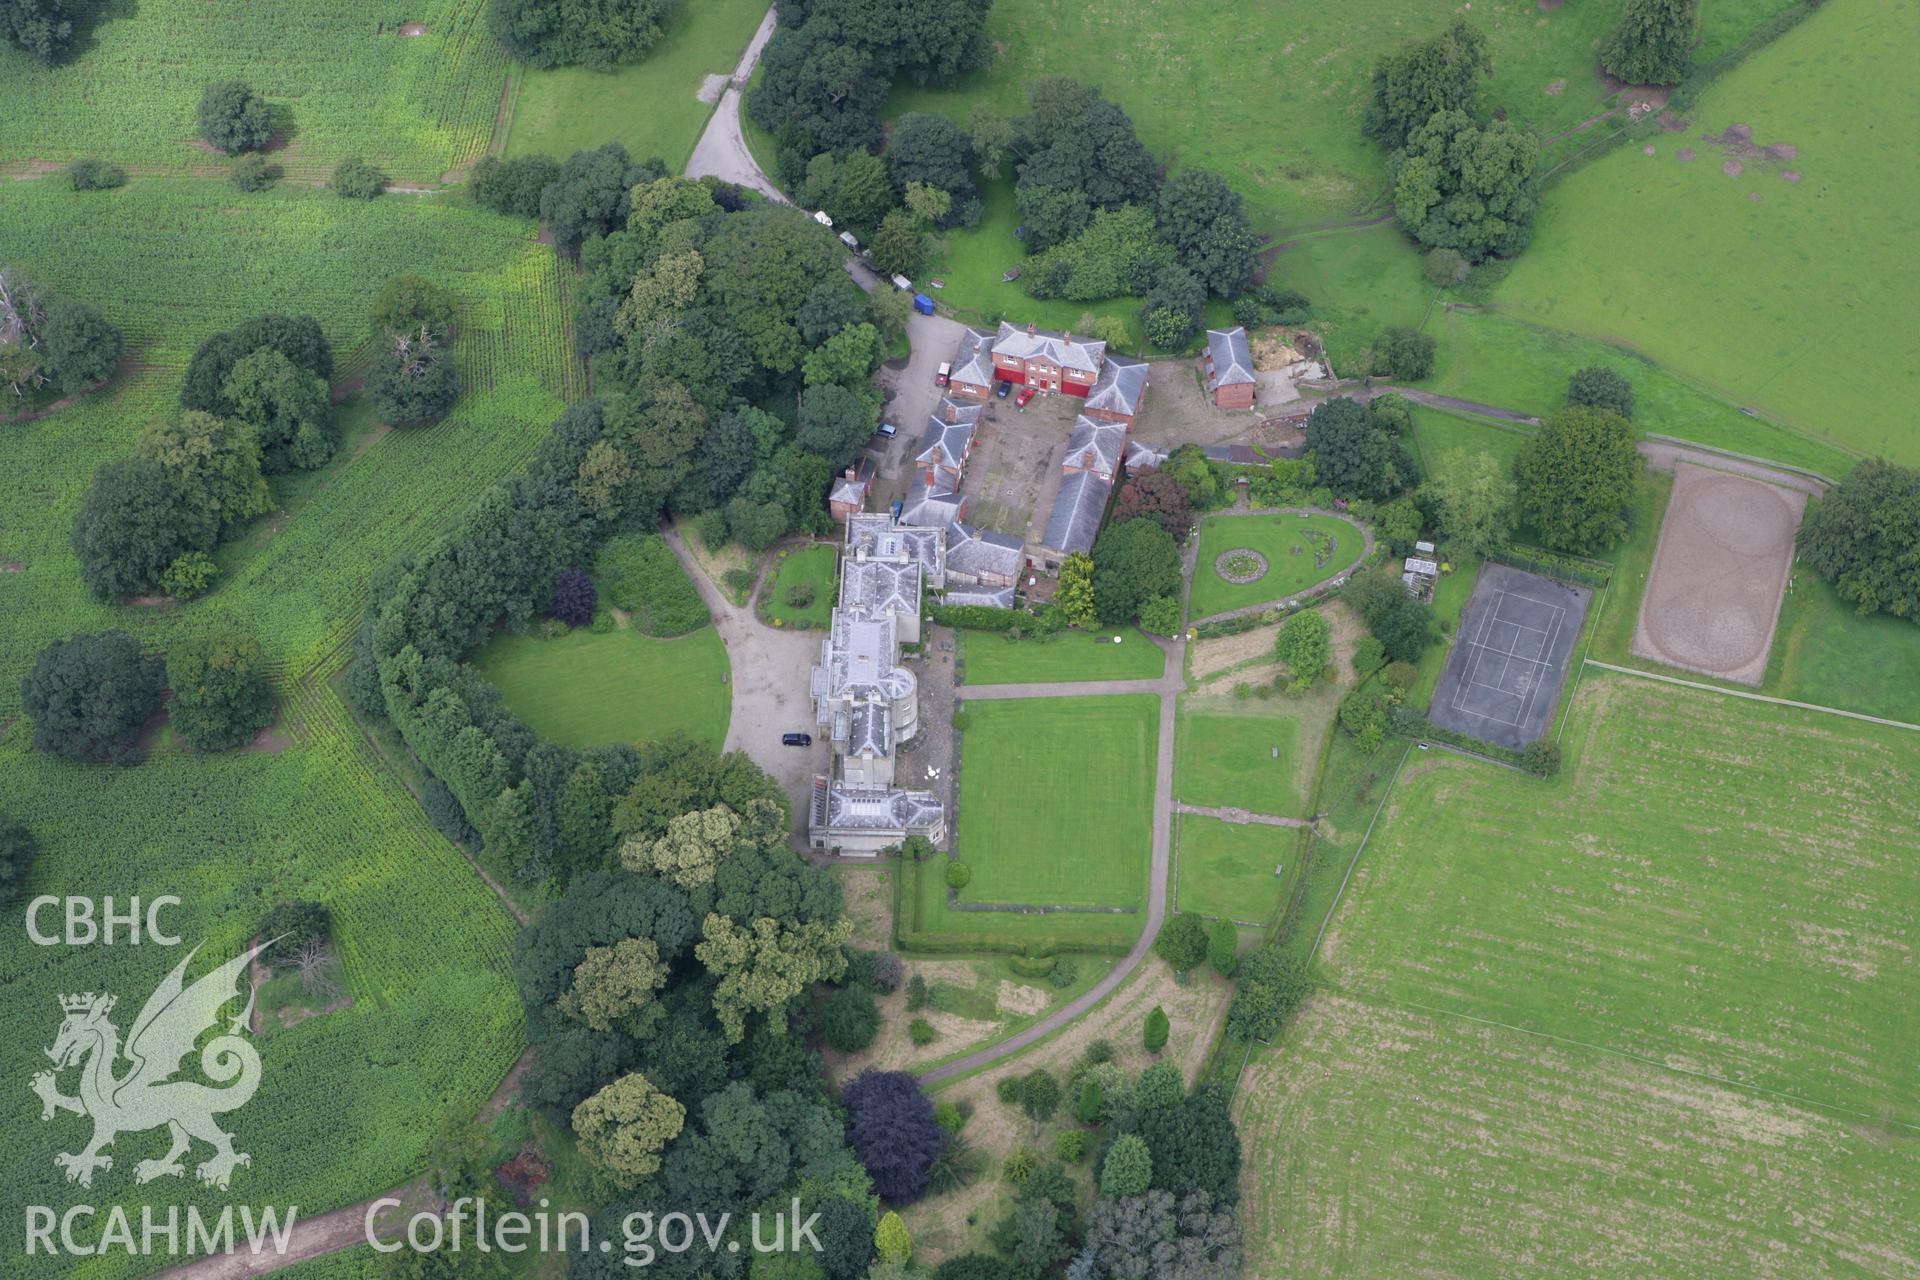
pixel 1002 387
pixel 796 739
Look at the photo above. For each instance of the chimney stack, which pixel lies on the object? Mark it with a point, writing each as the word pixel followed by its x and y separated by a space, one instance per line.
pixel 1032 328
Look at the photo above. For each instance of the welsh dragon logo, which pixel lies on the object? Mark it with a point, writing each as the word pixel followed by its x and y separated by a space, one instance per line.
pixel 146 1095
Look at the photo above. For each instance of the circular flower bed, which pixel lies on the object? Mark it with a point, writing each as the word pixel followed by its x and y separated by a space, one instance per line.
pixel 1240 566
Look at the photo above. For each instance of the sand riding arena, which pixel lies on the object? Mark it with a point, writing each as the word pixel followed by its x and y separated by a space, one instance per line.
pixel 1713 598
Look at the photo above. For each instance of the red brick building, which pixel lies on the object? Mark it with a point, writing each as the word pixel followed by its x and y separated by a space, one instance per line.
pixel 1229 366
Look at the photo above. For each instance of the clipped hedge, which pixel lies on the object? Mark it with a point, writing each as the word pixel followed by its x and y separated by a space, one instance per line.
pixel 977 617
pixel 1032 966
pixel 644 577
pixel 1554 564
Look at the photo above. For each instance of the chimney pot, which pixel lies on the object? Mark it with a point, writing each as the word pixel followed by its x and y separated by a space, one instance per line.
pixel 1031 328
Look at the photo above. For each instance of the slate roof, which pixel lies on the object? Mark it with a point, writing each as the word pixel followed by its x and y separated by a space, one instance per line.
pixel 873 809
pixel 934 508
pixel 1095 446
pixel 973 361
pixel 852 492
pixel 1143 456
pixel 874 536
pixel 874 585
pixel 952 410
pixel 984 597
pixel 1121 384
pixel 1076 511
pixel 975 551
pixel 945 444
pixel 870 733
pixel 857 661
pixel 1050 345
pixel 1229 358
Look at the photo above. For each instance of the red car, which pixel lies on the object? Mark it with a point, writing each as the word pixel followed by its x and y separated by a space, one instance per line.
pixel 1026 394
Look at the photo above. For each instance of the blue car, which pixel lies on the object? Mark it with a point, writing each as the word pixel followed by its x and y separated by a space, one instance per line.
pixel 1002 388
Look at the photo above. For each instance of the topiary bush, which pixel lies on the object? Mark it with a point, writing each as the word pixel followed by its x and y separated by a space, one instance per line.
pixel 958 874
pixel 1154 1032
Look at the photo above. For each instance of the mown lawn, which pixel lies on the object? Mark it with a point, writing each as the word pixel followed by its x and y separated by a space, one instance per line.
pixel 1056 800
pixel 1286 542
pixel 588 690
pixel 1692 945
pixel 810 568
pixel 1741 283
pixel 1228 870
pixel 1068 656
pixel 650 107
pixel 1224 756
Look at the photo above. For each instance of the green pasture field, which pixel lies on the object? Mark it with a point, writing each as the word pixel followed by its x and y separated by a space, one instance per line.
pixel 341 79
pixel 157 258
pixel 813 566
pixel 1069 656
pixel 1718 884
pixel 1056 801
pixel 1223 757
pixel 1495 359
pixel 1290 558
pixel 588 690
pixel 1359 280
pixel 1437 433
pixel 1270 94
pixel 651 107
pixel 1743 283
pixel 1227 869
pixel 1378 1120
pixel 1663 994
pixel 349 1101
